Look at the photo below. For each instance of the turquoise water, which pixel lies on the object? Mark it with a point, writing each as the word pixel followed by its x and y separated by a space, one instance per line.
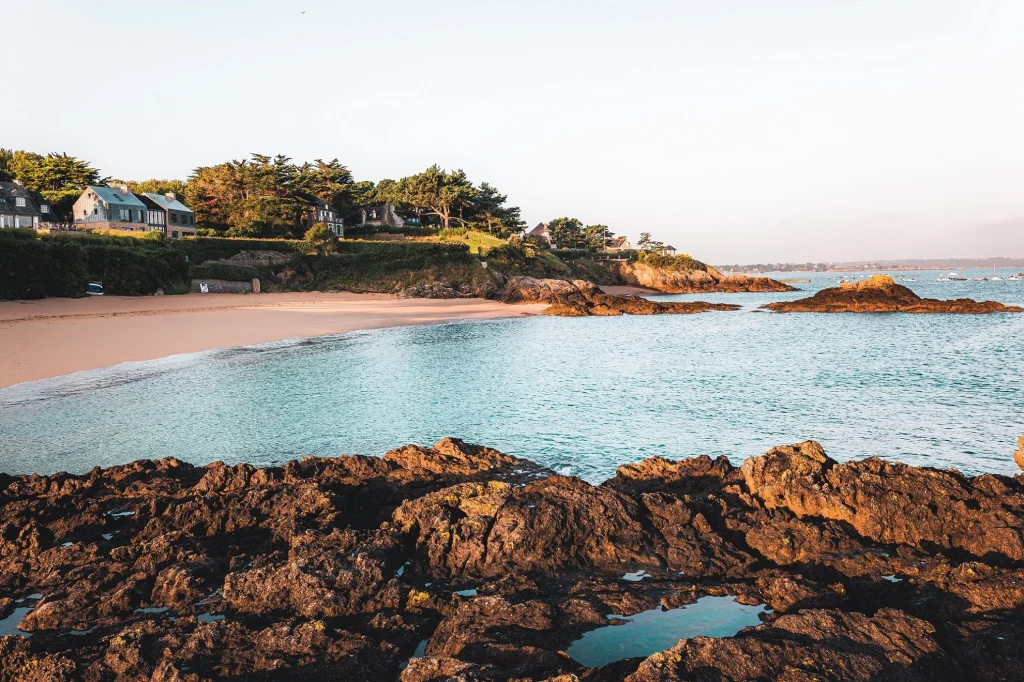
pixel 657 630
pixel 579 395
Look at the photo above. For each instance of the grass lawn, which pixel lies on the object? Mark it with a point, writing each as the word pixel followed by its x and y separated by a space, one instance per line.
pixel 474 239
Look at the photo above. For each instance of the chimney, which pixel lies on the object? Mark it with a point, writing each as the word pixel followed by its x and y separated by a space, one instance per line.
pixel 171 196
pixel 19 183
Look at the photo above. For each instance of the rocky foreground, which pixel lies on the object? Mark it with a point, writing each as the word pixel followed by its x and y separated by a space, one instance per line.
pixel 881 294
pixel 578 298
pixel 487 567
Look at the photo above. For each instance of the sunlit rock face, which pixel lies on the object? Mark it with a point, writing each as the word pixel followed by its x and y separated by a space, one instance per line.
pixel 881 294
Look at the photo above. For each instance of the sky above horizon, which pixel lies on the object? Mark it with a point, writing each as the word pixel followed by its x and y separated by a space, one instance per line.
pixel 739 131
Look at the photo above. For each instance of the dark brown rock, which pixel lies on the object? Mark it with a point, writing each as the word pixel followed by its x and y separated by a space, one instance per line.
pixel 582 299
pixel 337 568
pixel 881 294
pixel 693 281
pixel 811 645
pixel 894 503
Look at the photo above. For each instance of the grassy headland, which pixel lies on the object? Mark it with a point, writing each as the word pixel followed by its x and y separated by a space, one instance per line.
pixel 448 263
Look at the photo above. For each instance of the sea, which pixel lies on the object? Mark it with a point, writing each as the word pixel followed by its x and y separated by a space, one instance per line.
pixel 579 395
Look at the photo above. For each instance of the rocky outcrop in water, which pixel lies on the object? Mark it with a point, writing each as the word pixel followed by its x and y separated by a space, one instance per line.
pixel 459 562
pixel 881 294
pixel 671 281
pixel 578 298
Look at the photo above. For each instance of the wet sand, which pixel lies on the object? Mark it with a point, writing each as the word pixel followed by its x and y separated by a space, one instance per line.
pixel 52 337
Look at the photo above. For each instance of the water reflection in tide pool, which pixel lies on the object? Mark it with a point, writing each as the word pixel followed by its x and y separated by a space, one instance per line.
pixel 657 630
pixel 9 625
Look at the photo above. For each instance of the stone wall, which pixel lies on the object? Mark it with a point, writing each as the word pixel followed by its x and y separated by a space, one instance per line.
pixel 223 286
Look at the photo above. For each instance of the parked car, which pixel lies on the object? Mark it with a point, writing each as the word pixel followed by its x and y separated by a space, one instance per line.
pixel 95 289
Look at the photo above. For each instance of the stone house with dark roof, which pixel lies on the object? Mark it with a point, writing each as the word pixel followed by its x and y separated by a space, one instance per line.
pixel 21 208
pixel 110 208
pixel 166 213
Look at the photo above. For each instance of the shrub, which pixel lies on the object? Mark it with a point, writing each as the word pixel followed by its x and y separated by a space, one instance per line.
pixel 319 237
pixel 681 263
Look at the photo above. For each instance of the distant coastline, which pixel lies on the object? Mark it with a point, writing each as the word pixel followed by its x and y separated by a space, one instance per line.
pixel 875 265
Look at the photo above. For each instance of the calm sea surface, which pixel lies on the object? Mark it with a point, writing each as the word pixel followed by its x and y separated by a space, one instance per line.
pixel 579 395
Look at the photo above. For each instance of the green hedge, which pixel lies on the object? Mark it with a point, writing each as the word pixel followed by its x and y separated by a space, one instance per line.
pixel 151 238
pixel 139 272
pixel 37 268
pixel 411 231
pixel 31 268
pixel 201 249
pixel 225 271
pixel 573 254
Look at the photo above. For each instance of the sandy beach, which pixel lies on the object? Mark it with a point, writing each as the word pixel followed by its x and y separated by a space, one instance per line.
pixel 52 337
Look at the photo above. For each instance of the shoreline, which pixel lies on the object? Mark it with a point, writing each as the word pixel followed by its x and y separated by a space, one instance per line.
pixel 54 337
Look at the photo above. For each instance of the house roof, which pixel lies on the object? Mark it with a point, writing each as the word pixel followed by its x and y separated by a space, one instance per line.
pixel 541 228
pixel 162 201
pixel 618 241
pixel 670 248
pixel 9 191
pixel 111 195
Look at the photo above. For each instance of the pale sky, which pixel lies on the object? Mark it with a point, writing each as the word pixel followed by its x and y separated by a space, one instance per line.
pixel 737 130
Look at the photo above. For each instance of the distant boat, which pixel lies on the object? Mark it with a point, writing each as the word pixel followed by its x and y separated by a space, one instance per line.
pixel 1013 278
pixel 979 279
pixel 943 279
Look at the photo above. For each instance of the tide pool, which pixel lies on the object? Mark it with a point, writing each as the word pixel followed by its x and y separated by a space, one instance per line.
pixel 656 630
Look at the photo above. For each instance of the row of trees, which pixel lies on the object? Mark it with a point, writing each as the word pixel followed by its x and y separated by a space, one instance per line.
pixel 58 178
pixel 570 233
pixel 265 196
pixel 270 196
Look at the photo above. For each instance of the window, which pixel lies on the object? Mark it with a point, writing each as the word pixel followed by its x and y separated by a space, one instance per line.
pixel 141 219
pixel 174 234
pixel 44 208
pixel 95 211
pixel 174 218
pixel 19 202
